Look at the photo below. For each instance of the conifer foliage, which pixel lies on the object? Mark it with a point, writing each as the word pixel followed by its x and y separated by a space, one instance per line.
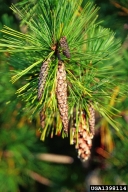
pixel 73 48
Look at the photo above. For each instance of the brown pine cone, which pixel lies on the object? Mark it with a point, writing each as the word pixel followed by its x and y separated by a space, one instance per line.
pixel 84 145
pixel 61 92
pixel 64 46
pixel 42 78
pixel 84 140
pixel 91 120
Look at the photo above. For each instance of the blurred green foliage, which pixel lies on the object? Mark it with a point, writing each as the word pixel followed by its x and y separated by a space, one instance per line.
pixel 6 16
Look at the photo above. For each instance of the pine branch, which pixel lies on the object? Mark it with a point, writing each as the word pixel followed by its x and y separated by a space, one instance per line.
pixel 70 35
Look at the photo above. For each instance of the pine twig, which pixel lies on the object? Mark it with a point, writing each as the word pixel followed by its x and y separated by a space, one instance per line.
pixel 55 158
pixel 39 178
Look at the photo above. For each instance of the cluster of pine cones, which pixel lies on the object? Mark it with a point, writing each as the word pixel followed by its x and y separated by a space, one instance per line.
pixel 61 88
pixel 82 139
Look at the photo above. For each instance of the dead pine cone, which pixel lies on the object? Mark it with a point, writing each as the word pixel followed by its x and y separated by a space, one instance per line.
pixel 84 140
pixel 64 46
pixel 84 145
pixel 42 78
pixel 61 92
pixel 91 119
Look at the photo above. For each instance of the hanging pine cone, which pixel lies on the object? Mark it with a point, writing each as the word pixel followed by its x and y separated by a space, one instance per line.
pixel 61 91
pixel 64 46
pixel 91 120
pixel 84 143
pixel 42 78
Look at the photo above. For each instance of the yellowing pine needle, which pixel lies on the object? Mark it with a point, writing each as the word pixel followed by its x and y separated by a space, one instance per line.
pixel 16 77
